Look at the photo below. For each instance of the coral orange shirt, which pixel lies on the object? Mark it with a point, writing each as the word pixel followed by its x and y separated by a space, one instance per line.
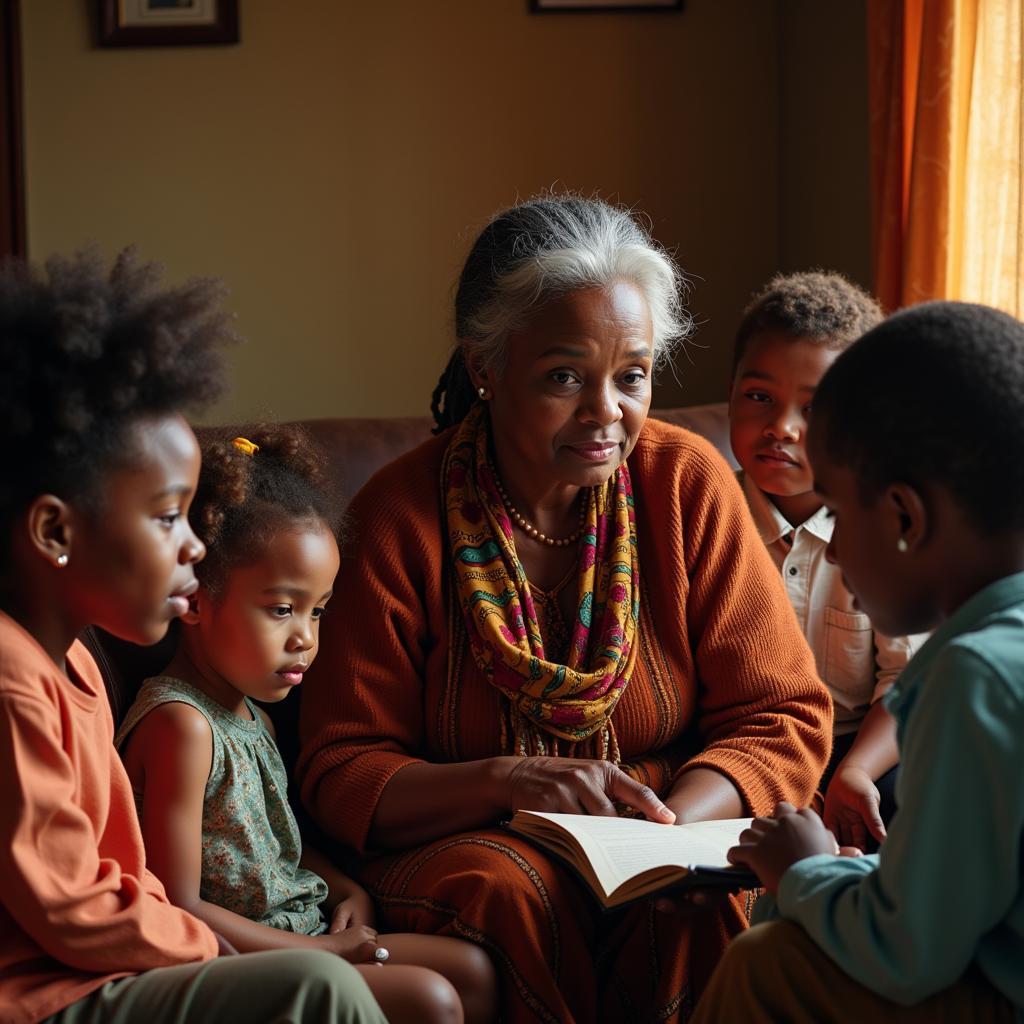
pixel 78 906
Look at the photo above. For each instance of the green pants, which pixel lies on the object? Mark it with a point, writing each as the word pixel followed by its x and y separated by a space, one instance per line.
pixel 292 986
pixel 776 972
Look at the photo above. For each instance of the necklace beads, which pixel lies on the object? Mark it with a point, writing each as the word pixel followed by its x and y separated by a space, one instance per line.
pixel 530 530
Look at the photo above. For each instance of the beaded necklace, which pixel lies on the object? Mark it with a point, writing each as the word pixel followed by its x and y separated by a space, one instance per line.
pixel 530 530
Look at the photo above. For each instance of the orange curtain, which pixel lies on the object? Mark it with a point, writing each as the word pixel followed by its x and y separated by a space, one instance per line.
pixel 947 105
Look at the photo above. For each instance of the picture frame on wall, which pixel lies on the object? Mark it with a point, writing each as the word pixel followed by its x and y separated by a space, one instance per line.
pixel 565 6
pixel 166 22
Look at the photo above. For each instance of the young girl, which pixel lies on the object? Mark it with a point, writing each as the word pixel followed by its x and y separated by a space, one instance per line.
pixel 915 441
pixel 98 470
pixel 203 761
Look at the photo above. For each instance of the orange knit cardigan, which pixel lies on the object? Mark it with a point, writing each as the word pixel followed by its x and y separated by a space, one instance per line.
pixel 725 679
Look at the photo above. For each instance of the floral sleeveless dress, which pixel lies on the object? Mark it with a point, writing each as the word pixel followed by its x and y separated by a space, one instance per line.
pixel 251 842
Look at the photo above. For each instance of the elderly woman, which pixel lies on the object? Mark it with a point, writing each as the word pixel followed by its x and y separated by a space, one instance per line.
pixel 556 604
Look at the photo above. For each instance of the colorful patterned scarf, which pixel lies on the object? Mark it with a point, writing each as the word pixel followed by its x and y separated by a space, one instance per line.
pixel 547 702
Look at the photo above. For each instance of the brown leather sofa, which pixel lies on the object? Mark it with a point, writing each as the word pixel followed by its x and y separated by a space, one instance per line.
pixel 356 448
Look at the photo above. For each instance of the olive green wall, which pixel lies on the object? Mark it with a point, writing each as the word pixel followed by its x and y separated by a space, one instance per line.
pixel 334 167
pixel 824 203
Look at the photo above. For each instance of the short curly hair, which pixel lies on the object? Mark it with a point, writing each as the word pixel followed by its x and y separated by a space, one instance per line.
pixel 87 352
pixel 243 499
pixel 820 305
pixel 934 395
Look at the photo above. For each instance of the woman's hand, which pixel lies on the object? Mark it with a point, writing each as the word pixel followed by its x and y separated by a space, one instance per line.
pixel 772 844
pixel 571 786
pixel 852 807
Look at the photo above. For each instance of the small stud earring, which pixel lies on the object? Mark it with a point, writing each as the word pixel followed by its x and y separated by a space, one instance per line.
pixel 62 560
pixel 483 393
pixel 901 546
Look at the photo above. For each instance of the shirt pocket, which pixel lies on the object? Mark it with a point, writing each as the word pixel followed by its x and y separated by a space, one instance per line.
pixel 849 657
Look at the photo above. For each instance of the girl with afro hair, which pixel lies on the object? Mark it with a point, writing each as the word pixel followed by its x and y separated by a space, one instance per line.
pixel 98 468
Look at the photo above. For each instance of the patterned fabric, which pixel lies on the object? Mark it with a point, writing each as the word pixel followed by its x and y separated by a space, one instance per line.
pixel 572 701
pixel 251 842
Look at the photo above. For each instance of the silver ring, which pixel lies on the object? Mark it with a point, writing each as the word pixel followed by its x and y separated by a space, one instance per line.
pixel 380 954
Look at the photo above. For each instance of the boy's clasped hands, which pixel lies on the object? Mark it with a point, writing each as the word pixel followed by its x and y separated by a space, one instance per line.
pixel 772 844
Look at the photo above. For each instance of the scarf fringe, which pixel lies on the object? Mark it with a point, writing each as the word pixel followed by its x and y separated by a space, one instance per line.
pixel 522 738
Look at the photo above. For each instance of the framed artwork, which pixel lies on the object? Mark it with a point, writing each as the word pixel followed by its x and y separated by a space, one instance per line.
pixel 166 22
pixel 561 6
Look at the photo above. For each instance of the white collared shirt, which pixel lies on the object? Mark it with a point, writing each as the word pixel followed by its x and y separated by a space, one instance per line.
pixel 856 663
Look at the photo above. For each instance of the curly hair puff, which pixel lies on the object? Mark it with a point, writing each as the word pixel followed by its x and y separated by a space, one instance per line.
pixel 818 305
pixel 243 500
pixel 85 353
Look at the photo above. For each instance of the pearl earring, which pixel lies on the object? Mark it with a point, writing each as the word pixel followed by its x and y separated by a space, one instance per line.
pixel 901 546
pixel 62 560
pixel 483 393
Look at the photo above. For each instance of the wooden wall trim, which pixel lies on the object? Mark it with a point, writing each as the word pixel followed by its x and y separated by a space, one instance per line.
pixel 12 147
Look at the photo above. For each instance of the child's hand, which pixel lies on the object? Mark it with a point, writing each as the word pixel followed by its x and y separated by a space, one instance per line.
pixel 772 844
pixel 355 944
pixel 852 807
pixel 355 909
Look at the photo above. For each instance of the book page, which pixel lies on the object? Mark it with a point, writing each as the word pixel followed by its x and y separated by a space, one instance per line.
pixel 621 848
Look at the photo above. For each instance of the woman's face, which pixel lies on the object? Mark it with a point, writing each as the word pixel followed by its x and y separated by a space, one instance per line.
pixel 575 389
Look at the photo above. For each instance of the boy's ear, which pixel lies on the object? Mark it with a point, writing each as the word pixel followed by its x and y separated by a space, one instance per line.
pixel 50 531
pixel 910 519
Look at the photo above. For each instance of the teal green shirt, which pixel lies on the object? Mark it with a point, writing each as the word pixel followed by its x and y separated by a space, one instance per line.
pixel 945 888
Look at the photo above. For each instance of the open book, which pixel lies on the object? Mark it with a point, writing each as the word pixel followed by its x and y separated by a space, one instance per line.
pixel 624 859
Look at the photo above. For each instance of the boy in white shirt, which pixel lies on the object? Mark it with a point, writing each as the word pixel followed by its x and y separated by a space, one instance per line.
pixel 788 337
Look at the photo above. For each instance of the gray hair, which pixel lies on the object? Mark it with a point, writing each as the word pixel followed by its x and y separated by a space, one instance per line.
pixel 550 246
pixel 539 250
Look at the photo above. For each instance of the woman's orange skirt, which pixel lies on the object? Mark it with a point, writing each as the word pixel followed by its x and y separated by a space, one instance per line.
pixel 561 958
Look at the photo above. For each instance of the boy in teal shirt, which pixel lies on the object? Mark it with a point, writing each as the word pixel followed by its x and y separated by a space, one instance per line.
pixel 915 444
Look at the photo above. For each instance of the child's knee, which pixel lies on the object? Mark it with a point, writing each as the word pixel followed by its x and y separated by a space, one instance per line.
pixel 441 1001
pixel 413 993
pixel 480 970
pixel 477 983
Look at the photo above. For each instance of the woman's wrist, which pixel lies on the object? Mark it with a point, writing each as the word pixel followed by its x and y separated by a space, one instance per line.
pixel 499 783
pixel 702 794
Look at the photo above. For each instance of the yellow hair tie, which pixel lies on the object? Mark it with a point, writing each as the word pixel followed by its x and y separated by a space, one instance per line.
pixel 243 444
